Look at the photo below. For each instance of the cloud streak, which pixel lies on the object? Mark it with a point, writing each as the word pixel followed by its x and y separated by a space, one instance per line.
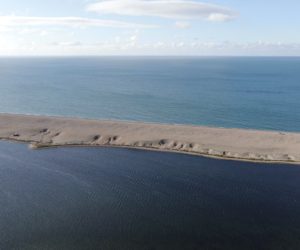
pixel 180 36
pixel 4 29
pixel 167 9
pixel 127 47
pixel 182 25
pixel 28 31
pixel 70 21
pixel 133 32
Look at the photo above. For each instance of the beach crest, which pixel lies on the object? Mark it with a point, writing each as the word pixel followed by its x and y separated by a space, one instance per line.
pixel 225 143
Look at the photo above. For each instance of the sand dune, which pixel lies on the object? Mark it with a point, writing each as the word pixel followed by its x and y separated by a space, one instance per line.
pixel 42 131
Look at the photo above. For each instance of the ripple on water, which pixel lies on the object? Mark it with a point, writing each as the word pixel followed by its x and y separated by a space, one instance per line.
pixel 113 198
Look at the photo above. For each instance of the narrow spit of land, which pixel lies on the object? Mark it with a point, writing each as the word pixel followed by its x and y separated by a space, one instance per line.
pixel 239 144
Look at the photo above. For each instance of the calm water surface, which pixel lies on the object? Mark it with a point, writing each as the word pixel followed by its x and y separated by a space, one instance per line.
pixel 235 92
pixel 109 198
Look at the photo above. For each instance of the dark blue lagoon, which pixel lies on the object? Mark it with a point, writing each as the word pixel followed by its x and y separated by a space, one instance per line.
pixel 113 198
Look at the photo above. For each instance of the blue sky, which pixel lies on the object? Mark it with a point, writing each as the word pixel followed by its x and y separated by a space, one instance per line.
pixel 140 27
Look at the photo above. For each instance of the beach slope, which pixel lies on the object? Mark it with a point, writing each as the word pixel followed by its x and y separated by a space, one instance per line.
pixel 44 131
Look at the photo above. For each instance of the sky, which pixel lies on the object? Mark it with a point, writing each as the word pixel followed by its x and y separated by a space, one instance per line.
pixel 144 27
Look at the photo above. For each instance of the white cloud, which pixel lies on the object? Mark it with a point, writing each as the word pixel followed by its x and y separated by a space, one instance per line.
pixel 235 47
pixel 180 36
pixel 218 46
pixel 133 38
pixel 31 43
pixel 71 44
pixel 229 47
pixel 118 39
pixel 8 47
pixel 168 9
pixel 182 24
pixel 56 29
pixel 269 45
pixel 4 40
pixel 28 31
pixel 133 31
pixel 71 34
pixel 4 29
pixel 45 33
pixel 218 17
pixel 160 45
pixel 54 44
pixel 71 21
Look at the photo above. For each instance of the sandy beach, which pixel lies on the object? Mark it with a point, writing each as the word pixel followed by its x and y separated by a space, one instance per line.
pixel 44 131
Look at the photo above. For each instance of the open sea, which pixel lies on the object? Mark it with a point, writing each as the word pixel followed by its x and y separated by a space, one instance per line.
pixel 235 92
pixel 126 199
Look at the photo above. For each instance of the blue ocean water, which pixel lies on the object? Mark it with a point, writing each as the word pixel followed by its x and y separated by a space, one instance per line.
pixel 126 199
pixel 236 92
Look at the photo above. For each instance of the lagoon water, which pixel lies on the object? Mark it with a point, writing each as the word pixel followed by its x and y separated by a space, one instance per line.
pixel 236 92
pixel 113 198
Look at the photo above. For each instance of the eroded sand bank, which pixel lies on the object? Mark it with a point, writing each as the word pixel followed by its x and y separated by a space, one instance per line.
pixel 44 131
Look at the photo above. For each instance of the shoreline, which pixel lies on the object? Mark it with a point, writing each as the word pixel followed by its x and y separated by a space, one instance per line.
pixel 217 157
pixel 219 143
pixel 128 121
